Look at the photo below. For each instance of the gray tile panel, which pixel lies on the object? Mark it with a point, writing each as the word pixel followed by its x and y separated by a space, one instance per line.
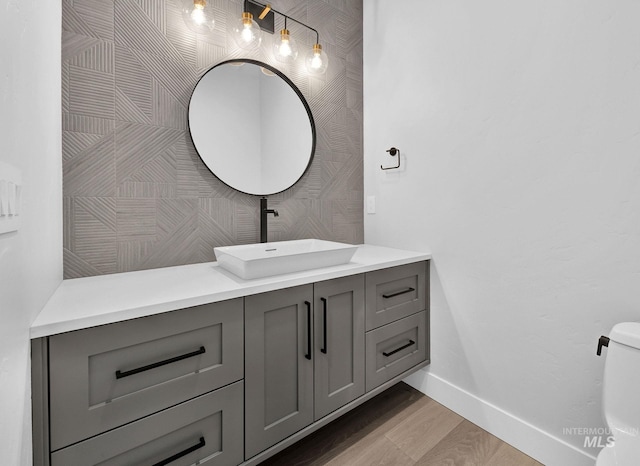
pixel 86 124
pixel 72 20
pixel 90 242
pixel 74 143
pixel 97 15
pixel 74 44
pixel 91 172
pixel 91 92
pixel 98 57
pixel 137 145
pixel 136 219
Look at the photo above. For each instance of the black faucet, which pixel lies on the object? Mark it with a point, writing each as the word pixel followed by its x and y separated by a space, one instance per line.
pixel 263 218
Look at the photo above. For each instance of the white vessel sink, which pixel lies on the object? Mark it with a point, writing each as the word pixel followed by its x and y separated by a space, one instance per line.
pixel 267 259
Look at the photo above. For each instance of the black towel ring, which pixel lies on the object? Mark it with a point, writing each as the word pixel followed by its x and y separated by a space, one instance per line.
pixel 392 152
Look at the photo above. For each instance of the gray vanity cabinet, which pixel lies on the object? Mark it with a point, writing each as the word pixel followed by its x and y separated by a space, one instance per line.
pixel 304 357
pixel 230 382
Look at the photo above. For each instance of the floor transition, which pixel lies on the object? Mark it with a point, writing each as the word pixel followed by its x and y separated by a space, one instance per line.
pixel 401 427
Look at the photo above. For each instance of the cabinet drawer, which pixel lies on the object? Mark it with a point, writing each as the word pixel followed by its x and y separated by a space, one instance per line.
pixel 187 433
pixel 395 348
pixel 103 377
pixel 394 293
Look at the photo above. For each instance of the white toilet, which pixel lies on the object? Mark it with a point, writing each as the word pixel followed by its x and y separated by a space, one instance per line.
pixel 621 395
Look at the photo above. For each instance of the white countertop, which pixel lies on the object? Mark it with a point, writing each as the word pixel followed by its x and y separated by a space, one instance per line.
pixel 86 302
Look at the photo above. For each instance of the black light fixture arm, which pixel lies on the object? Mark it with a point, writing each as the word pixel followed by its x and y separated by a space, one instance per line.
pixel 286 17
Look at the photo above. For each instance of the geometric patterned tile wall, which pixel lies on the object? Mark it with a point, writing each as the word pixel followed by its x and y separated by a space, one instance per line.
pixel 136 194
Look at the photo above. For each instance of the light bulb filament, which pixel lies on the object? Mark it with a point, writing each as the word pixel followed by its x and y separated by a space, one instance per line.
pixel 285 48
pixel 316 61
pixel 197 15
pixel 247 34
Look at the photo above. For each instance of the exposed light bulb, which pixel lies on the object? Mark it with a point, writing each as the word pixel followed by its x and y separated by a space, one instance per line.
pixel 286 50
pixel 317 60
pixel 198 16
pixel 246 32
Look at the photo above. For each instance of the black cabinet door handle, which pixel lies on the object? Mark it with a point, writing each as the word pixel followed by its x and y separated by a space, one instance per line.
pixel 398 293
pixel 171 459
pixel 121 374
pixel 411 342
pixel 324 319
pixel 308 355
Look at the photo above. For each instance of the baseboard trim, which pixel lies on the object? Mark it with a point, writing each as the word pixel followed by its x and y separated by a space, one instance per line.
pixel 544 447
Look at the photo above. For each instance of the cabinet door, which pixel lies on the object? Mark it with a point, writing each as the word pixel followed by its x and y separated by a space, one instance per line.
pixel 339 343
pixel 278 366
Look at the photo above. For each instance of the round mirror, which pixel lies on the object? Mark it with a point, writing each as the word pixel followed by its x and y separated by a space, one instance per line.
pixel 251 127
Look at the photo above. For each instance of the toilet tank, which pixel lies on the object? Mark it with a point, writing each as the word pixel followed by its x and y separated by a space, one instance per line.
pixel 621 384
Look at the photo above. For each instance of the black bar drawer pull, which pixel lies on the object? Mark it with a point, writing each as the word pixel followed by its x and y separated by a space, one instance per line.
pixel 398 293
pixel 324 319
pixel 308 355
pixel 121 374
pixel 411 342
pixel 171 459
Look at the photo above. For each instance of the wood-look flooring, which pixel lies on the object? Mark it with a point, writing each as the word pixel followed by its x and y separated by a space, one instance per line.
pixel 401 427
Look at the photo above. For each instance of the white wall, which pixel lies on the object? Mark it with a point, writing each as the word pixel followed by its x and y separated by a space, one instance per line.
pixel 31 258
pixel 519 126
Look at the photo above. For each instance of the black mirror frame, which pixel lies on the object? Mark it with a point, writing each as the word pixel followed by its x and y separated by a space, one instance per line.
pixel 298 93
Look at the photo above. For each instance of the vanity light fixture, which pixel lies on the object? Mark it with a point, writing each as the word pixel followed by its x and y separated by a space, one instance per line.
pixel 198 16
pixel 285 49
pixel 247 33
